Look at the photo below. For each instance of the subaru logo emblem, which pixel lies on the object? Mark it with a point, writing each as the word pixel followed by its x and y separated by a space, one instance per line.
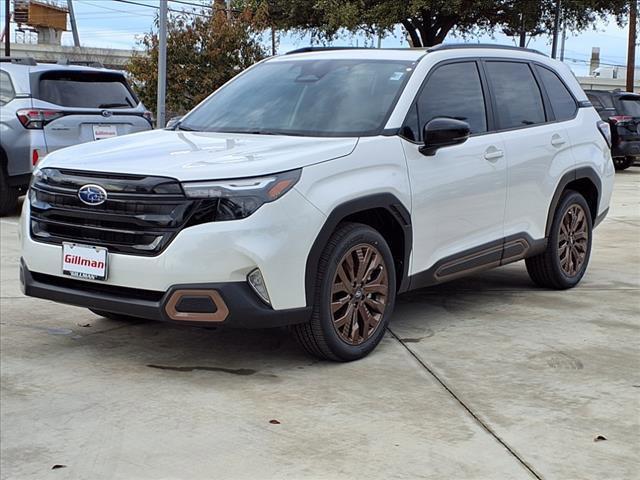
pixel 92 194
pixel 106 113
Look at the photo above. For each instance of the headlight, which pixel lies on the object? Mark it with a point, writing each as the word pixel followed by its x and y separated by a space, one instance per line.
pixel 235 199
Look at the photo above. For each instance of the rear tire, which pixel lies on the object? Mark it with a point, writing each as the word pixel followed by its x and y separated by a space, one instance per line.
pixel 354 296
pixel 622 163
pixel 564 262
pixel 8 195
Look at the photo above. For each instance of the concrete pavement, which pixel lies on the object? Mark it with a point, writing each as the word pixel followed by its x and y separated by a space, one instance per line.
pixel 484 378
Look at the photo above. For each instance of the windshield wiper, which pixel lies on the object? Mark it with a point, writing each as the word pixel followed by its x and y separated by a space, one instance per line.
pixel 180 126
pixel 113 105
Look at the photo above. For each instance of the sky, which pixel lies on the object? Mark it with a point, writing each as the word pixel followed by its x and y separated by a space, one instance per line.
pixel 116 24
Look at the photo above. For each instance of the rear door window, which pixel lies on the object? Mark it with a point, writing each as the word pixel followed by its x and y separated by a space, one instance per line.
pixel 7 92
pixel 517 95
pixel 563 105
pixel 86 90
pixel 453 90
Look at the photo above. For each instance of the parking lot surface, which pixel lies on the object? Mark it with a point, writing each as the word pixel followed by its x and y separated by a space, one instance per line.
pixel 488 377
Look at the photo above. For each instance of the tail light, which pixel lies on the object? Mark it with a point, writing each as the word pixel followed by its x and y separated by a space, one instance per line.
pixel 620 118
pixel 35 156
pixel 605 130
pixel 37 118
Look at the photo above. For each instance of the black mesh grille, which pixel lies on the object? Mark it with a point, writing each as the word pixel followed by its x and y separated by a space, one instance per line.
pixel 140 216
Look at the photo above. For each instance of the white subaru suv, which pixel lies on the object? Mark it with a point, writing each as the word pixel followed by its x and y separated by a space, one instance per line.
pixel 316 186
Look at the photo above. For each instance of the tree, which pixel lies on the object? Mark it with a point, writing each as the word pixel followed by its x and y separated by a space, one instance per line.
pixel 204 50
pixel 537 18
pixel 427 22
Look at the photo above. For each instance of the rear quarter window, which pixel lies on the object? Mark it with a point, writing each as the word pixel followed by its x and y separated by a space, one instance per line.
pixel 85 90
pixel 7 93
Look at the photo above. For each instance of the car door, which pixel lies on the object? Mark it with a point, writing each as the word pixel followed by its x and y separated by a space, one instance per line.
pixel 458 194
pixel 538 148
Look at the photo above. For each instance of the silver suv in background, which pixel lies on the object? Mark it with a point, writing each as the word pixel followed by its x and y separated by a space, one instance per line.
pixel 45 107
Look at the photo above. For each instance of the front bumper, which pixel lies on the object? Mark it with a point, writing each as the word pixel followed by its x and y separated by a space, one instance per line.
pixel 232 304
pixel 276 239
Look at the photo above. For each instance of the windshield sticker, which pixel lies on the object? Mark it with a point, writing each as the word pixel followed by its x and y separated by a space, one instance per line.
pixel 396 76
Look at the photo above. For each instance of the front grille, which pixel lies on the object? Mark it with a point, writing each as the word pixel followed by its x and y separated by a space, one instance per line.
pixel 141 215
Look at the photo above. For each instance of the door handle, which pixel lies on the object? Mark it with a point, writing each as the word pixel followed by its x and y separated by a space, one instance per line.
pixel 557 140
pixel 493 155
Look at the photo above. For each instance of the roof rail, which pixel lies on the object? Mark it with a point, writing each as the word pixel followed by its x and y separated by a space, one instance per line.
pixel 324 49
pixel 83 63
pixel 455 46
pixel 435 48
pixel 19 60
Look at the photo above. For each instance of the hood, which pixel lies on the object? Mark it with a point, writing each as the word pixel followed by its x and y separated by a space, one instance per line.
pixel 199 155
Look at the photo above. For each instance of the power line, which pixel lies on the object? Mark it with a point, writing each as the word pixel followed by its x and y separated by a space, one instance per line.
pixel 157 8
pixel 179 11
pixel 85 2
pixel 211 7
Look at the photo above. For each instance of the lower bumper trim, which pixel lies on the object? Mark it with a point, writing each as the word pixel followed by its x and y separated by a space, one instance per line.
pixel 236 300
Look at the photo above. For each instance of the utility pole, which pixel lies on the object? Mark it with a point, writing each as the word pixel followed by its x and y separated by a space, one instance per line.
pixel 229 10
pixel 564 40
pixel 273 41
pixel 74 25
pixel 523 32
pixel 7 31
pixel 631 53
pixel 556 28
pixel 162 64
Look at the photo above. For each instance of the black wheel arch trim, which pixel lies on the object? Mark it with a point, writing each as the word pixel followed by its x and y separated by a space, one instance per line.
pixel 580 173
pixel 386 201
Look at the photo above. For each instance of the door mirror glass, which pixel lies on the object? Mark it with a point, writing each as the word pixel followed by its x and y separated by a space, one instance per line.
pixel 443 132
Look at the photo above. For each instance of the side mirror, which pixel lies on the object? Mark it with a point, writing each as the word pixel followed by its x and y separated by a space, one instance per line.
pixel 443 132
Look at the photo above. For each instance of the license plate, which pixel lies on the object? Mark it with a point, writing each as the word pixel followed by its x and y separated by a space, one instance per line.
pixel 100 132
pixel 84 261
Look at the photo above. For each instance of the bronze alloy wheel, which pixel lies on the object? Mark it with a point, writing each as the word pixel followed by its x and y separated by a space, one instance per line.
pixel 573 240
pixel 359 294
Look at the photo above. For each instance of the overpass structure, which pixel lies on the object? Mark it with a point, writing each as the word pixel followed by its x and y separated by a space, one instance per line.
pixel 109 57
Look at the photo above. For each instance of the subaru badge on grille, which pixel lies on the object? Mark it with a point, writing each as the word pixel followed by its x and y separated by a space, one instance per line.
pixel 92 194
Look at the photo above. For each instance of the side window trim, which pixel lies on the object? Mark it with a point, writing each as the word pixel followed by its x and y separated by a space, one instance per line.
pixel 489 99
pixel 549 114
pixel 485 92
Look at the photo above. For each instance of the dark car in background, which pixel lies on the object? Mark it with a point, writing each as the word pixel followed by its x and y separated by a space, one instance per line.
pixel 622 111
pixel 45 107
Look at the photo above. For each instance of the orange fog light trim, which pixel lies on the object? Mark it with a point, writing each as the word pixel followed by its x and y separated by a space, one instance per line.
pixel 221 313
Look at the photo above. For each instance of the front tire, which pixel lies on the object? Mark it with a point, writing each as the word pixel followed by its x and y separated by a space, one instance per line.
pixel 564 262
pixel 8 195
pixel 354 296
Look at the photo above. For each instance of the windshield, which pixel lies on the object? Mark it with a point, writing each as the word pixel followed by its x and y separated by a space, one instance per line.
pixel 305 97
pixel 631 106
